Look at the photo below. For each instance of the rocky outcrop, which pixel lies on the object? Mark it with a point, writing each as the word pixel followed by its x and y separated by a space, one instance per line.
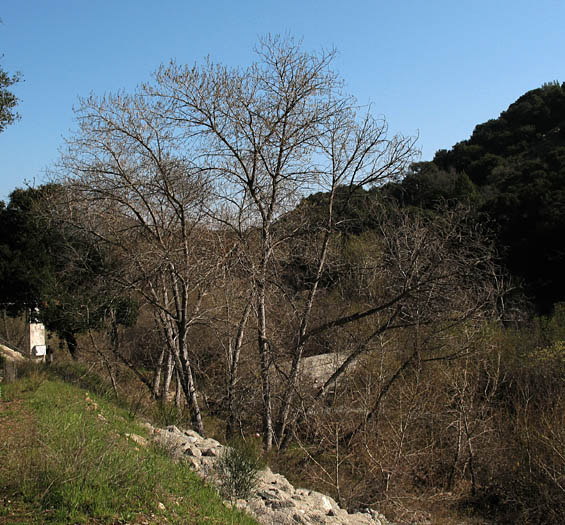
pixel 275 501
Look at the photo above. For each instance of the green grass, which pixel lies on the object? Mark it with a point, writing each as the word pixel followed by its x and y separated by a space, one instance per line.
pixel 64 458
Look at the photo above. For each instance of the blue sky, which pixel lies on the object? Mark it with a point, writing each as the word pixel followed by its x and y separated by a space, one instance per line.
pixel 432 68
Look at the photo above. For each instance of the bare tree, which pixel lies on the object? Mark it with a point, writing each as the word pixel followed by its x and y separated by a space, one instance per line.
pixel 270 134
pixel 206 158
pixel 427 276
pixel 130 189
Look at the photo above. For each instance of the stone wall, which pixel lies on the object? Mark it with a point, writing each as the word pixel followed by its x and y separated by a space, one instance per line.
pixel 275 501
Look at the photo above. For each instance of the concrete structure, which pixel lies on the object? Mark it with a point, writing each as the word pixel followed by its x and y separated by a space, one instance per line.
pixel 36 346
pixel 9 360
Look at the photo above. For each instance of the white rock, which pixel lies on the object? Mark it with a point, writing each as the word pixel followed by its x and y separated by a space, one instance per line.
pixel 193 451
pixel 149 427
pixel 193 462
pixel 326 503
pixel 212 452
pixel 141 441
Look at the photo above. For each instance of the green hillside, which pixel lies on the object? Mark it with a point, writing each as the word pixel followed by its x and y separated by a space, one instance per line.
pixel 65 458
pixel 512 170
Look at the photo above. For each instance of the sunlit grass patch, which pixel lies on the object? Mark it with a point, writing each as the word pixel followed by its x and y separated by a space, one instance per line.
pixel 72 463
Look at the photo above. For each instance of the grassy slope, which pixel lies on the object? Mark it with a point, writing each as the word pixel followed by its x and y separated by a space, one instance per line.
pixel 64 458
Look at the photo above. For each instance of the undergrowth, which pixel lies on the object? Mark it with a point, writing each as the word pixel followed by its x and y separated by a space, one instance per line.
pixel 238 470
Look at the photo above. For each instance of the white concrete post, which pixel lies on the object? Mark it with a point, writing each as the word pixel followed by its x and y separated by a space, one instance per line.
pixel 36 347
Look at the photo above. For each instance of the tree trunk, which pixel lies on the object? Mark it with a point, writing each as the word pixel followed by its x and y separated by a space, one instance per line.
pixel 190 393
pixel 451 478
pixel 233 366
pixel 178 390
pixel 169 368
pixel 72 344
pixel 156 388
pixel 265 364
pixel 299 349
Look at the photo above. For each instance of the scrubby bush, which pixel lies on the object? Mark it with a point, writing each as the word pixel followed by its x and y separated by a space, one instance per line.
pixel 238 469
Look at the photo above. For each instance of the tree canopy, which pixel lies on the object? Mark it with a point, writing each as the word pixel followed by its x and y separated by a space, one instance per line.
pixel 512 170
pixel 44 268
pixel 8 100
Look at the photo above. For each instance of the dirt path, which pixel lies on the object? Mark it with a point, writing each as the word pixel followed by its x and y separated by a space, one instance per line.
pixel 17 430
